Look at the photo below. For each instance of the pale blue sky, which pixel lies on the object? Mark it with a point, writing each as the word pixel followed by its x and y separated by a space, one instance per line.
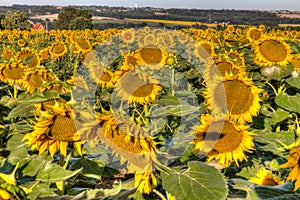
pixel 198 4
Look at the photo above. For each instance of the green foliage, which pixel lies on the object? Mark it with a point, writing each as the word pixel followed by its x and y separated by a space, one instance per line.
pixel 15 20
pixel 74 18
pixel 198 180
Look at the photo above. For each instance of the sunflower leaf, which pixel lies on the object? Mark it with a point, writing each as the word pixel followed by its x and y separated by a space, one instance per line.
pixel 198 181
pixel 40 97
pixel 294 82
pixel 53 173
pixel 290 103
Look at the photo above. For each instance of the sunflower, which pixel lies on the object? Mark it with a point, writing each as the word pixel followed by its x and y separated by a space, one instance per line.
pixel 128 36
pixel 166 40
pixel 58 49
pixel 294 164
pixel 44 54
pixel 107 79
pixel 7 53
pixel 230 29
pixel 53 131
pixel 130 61
pixel 253 34
pixel 182 38
pixel 21 43
pixel 83 45
pixel 28 57
pixel 81 83
pixel 35 79
pixel 58 85
pixel 238 58
pixel 143 181
pixel 270 51
pixel 222 139
pixel 12 72
pixel 295 61
pixel 124 138
pixel 220 68
pixel 204 49
pixel 265 178
pixel 236 96
pixel 135 86
pixel 151 55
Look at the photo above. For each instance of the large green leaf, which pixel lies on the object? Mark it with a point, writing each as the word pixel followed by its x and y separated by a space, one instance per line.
pixel 41 190
pixel 281 192
pixel 175 110
pixel 33 166
pixel 278 116
pixel 277 72
pixel 22 110
pixel 290 103
pixel 89 167
pixel 294 82
pixel 199 181
pixel 53 173
pixel 275 140
pixel 40 97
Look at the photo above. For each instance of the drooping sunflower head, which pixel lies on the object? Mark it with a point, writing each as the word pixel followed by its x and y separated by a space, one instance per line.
pixel 272 50
pixel 222 139
pixel 12 72
pixel 265 178
pixel 236 96
pixel 53 131
pixel 58 49
pixel 28 57
pixel 136 86
pixel 34 79
pixel 124 138
pixel 293 163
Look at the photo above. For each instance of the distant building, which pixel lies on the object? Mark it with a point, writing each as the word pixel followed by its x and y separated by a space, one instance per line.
pixel 38 26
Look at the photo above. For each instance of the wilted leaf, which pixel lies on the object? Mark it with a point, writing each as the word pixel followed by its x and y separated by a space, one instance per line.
pixel 198 181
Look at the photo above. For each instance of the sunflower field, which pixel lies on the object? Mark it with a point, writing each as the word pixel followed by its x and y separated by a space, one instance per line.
pixel 150 114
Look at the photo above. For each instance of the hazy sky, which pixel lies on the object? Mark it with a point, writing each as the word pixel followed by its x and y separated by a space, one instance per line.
pixel 199 4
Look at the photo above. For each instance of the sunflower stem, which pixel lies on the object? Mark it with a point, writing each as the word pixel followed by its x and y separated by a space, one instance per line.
pixel 173 82
pixel 15 92
pixel 147 115
pixel 62 163
pixel 159 194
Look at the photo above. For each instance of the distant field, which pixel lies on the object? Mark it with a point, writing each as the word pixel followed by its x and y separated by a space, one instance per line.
pixel 289 15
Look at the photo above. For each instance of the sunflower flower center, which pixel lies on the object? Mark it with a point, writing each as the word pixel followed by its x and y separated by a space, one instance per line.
pixel 105 77
pixel 62 129
pixel 269 182
pixel 273 50
pixel 239 97
pixel 151 55
pixel 255 34
pixel 225 66
pixel 227 141
pixel 58 48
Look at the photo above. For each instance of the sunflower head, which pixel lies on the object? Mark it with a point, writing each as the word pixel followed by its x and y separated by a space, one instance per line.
pixel 222 139
pixel 28 57
pixel 128 36
pixel 270 51
pixel 236 96
pixel 12 72
pixel 265 178
pixel 58 49
pixel 7 53
pixel 136 86
pixel 34 79
pixel 53 131
pixel 83 45
pixel 253 34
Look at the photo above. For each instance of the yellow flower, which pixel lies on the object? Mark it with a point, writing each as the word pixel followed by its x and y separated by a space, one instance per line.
pixel 128 36
pixel 21 43
pixel 5 195
pixel 253 34
pixel 83 45
pixel 223 140
pixel 265 178
pixel 293 164
pixel 12 72
pixel 272 50
pixel 7 53
pixel 143 181
pixel 35 79
pixel 204 49
pixel 58 49
pixel 151 56
pixel 124 138
pixel 53 131
pixel 135 86
pixel 236 96
pixel 28 57
pixel 295 61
